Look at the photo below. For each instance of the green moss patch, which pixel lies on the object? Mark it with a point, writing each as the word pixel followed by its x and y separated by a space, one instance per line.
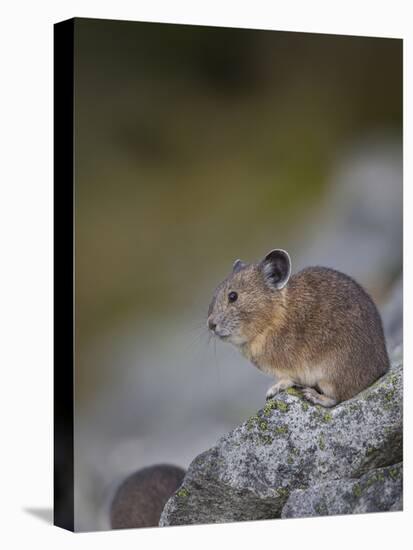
pixel 283 492
pixel 321 443
pixel 357 490
pixel 327 417
pixel 394 473
pixel 274 404
pixel 281 429
pixel 294 391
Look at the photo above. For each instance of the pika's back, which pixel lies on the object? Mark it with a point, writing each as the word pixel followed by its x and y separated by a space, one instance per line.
pixel 330 315
pixel 322 294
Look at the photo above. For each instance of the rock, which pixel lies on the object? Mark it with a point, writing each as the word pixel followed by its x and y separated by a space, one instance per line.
pixel 290 445
pixel 392 315
pixel 295 459
pixel 139 500
pixel 376 491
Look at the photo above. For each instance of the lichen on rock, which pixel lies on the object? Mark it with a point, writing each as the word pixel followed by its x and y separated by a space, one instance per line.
pixel 378 490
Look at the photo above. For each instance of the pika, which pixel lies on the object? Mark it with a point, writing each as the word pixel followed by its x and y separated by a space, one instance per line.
pixel 317 329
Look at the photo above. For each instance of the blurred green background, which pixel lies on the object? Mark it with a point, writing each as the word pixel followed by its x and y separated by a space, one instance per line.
pixel 196 146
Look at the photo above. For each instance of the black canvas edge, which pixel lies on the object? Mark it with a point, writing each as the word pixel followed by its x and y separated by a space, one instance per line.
pixel 225 26
pixel 63 248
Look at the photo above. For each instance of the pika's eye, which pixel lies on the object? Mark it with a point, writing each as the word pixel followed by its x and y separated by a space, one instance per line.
pixel 232 296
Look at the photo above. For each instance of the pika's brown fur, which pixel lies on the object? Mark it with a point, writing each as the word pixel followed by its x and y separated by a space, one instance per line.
pixel 140 499
pixel 317 329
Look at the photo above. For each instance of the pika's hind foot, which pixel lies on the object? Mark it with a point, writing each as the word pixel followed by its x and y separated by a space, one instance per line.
pixel 279 386
pixel 317 398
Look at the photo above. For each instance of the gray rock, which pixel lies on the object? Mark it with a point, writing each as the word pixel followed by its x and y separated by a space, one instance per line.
pixel 392 315
pixel 290 445
pixel 377 491
pixel 139 500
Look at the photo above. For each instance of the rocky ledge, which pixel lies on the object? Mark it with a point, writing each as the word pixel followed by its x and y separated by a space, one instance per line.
pixel 294 459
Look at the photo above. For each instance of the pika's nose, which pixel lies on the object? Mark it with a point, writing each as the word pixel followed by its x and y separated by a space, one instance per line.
pixel 211 324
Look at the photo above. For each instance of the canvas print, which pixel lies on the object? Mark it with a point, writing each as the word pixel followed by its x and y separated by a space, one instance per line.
pixel 228 275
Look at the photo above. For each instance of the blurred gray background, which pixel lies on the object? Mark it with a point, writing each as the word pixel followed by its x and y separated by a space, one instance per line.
pixel 196 146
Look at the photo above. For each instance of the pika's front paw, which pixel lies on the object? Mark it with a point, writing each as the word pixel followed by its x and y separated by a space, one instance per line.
pixel 318 398
pixel 272 392
pixel 279 386
pixel 311 395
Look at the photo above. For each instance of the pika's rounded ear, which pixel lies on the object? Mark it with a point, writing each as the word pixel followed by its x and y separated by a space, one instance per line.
pixel 238 265
pixel 276 268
